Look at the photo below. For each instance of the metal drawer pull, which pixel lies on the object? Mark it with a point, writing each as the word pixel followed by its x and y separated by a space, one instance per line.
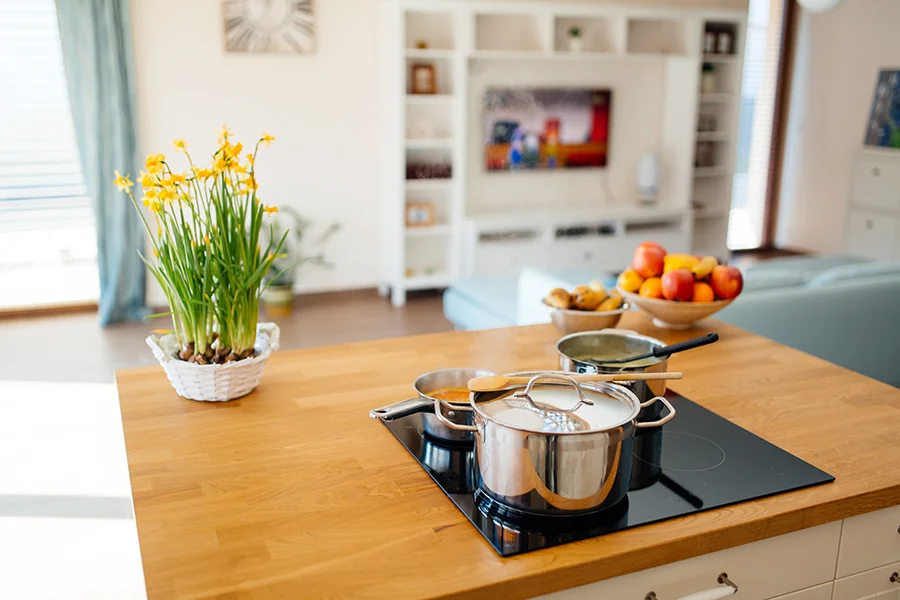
pixel 713 594
pixel 895 578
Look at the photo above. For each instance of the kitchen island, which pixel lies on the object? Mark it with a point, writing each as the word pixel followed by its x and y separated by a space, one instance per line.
pixel 294 492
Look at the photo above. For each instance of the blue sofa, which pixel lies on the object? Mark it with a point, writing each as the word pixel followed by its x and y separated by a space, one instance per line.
pixel 840 308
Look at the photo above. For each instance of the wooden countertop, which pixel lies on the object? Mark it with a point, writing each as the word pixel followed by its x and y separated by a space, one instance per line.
pixel 293 492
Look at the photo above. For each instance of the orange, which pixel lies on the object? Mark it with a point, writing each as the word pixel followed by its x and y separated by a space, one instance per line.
pixel 703 292
pixel 651 288
pixel 630 281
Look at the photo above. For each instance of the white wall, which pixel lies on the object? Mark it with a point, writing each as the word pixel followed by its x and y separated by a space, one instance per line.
pixel 322 108
pixel 838 56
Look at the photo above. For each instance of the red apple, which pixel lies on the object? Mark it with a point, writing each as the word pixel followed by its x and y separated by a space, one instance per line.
pixel 727 282
pixel 678 285
pixel 648 262
pixel 653 245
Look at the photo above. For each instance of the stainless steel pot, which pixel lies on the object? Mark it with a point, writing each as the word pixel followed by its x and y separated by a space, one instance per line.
pixel 554 449
pixel 574 349
pixel 424 403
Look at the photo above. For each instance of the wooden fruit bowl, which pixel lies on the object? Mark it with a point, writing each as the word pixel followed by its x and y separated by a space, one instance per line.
pixel 569 320
pixel 670 314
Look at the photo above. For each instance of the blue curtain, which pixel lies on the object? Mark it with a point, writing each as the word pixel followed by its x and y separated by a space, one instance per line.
pixel 96 46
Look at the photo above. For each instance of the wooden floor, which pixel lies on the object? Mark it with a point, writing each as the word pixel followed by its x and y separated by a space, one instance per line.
pixel 71 347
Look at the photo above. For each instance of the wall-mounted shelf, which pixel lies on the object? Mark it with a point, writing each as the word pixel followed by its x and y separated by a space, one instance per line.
pixel 721 58
pixel 710 171
pixel 717 98
pixel 428 143
pixel 713 136
pixel 430 231
pixel 428 98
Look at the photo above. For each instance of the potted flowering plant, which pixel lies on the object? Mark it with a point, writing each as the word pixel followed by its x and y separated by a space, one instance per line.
pixel 204 230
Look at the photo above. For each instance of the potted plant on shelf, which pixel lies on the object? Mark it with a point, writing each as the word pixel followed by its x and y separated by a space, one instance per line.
pixel 204 229
pixel 278 291
pixel 574 38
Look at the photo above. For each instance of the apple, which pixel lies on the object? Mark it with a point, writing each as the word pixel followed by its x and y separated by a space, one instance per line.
pixel 727 282
pixel 648 262
pixel 678 285
pixel 653 245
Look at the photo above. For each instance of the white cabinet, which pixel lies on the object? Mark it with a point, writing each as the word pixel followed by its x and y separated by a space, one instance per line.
pixel 882 583
pixel 869 540
pixel 766 569
pixel 819 592
pixel 873 214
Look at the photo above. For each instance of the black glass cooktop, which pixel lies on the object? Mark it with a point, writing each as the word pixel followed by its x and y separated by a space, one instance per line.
pixel 697 462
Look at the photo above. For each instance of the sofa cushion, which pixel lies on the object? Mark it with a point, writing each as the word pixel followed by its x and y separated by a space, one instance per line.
pixel 853 272
pixel 809 266
pixel 481 302
pixel 755 281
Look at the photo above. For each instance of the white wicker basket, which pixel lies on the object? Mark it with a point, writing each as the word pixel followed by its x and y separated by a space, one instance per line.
pixel 215 383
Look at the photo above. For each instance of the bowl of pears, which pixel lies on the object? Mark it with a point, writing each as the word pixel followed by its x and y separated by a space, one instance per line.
pixel 586 308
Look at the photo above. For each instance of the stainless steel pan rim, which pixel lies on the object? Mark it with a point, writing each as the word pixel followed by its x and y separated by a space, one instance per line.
pixel 617 392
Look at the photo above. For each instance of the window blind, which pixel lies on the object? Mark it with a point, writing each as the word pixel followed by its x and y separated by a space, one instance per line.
pixel 41 183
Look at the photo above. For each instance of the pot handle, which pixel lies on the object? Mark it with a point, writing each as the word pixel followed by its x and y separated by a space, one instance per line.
pixel 557 377
pixel 400 409
pixel 659 422
pixel 457 426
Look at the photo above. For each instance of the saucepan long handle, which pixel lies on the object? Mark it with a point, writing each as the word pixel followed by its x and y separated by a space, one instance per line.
pixel 400 409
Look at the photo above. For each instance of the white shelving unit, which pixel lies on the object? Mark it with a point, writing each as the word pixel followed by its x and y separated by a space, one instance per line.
pixel 465 39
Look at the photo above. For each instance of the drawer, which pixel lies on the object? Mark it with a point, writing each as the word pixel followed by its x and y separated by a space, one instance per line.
pixel 869 541
pixel 765 569
pixel 876 182
pixel 869 585
pixel 871 234
pixel 819 592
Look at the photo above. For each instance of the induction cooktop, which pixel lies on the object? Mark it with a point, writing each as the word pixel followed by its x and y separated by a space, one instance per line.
pixel 699 461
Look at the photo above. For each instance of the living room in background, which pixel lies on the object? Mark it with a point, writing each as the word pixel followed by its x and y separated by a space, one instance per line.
pixel 48 250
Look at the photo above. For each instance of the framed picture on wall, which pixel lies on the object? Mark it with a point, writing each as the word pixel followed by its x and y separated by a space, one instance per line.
pixel 883 127
pixel 423 79
pixel 419 214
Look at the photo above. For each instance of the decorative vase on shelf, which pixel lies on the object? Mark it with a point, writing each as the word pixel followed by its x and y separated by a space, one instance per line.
pixel 204 229
pixel 708 83
pixel 575 39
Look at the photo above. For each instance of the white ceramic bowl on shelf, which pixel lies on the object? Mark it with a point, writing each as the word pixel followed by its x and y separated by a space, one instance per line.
pixel 670 314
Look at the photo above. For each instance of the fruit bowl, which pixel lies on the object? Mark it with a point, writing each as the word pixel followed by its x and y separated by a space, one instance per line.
pixel 570 320
pixel 670 314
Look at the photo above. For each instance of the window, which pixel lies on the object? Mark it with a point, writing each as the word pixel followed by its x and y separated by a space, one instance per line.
pixel 47 242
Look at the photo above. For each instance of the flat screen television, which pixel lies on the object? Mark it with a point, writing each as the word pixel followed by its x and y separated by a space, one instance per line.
pixel 546 128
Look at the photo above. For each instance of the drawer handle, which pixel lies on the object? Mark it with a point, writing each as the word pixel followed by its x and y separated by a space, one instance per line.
pixel 895 578
pixel 712 594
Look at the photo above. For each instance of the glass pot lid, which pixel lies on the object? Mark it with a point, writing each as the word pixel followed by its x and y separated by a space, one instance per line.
pixel 555 403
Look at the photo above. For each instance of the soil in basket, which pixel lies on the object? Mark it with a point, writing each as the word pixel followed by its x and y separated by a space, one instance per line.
pixel 213 356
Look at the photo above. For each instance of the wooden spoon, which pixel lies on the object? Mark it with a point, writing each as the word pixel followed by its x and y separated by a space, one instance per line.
pixel 493 383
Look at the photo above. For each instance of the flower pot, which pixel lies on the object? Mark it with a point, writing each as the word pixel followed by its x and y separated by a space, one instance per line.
pixel 574 44
pixel 278 300
pixel 215 383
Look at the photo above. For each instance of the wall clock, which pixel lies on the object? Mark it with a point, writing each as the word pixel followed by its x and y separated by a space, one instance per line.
pixel 269 25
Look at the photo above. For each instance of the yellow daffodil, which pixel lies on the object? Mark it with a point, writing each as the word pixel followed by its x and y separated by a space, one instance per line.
pixel 202 173
pixel 154 163
pixel 123 183
pixel 266 138
pixel 147 180
pixel 206 240
pixel 167 195
pixel 180 144
pixel 249 183
pixel 225 133
pixel 220 165
pixel 155 253
pixel 163 331
pixel 234 151
pixel 175 179
pixel 250 158
pixel 239 168
pixel 270 209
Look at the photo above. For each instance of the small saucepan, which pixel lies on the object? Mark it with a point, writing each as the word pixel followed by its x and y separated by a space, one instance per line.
pixel 450 385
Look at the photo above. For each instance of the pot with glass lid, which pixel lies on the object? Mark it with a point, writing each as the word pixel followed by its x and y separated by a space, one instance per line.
pixel 556 447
